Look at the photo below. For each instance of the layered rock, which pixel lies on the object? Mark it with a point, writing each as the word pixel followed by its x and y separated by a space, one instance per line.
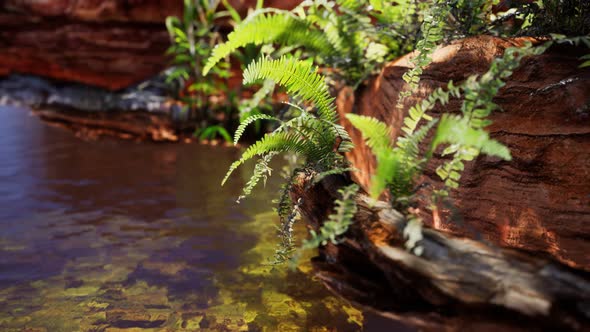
pixel 111 44
pixel 454 284
pixel 539 201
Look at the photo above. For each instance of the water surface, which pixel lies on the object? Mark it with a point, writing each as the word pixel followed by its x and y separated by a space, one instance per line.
pixel 114 235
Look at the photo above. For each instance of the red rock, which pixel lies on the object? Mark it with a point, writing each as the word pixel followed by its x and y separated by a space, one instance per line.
pixel 539 201
pixel 111 43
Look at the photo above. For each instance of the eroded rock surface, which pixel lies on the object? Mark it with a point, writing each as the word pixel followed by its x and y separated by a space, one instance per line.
pixel 539 201
pixel 112 44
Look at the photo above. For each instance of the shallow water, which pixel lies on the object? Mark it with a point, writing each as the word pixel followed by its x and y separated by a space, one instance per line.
pixel 119 236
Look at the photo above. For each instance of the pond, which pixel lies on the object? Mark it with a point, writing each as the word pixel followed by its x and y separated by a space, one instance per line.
pixel 120 236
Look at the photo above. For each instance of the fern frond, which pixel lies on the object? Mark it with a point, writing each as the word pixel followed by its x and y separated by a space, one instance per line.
pixel 418 111
pixel 466 134
pixel 301 80
pixel 275 142
pixel 432 34
pixel 467 143
pixel 457 130
pixel 376 133
pixel 338 222
pixel 248 121
pixel 410 144
pixel 265 91
pixel 281 27
pixel 261 171
pixel 480 92
pixel 397 165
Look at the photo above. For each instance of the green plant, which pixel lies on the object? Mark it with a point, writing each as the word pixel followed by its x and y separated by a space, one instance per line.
pixel 193 38
pixel 432 33
pixel 350 37
pixel 212 132
pixel 478 104
pixel 311 135
pixel 338 222
pixel 399 165
pixel 568 17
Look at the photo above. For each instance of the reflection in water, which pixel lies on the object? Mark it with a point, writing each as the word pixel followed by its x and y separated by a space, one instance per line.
pixel 107 235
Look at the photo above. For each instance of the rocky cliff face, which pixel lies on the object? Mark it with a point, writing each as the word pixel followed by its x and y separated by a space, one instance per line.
pixel 111 44
pixel 539 201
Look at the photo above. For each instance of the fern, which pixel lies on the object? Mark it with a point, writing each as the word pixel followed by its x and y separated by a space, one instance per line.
pixel 467 144
pixel 477 106
pixel 455 129
pixel 275 142
pixel 281 27
pixel 397 166
pixel 418 111
pixel 242 127
pixel 288 213
pixel 300 79
pixel 261 171
pixel 376 133
pixel 432 34
pixel 317 138
pixel 338 222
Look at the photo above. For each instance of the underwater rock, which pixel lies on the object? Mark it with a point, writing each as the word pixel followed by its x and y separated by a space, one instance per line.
pixel 127 318
pixel 539 201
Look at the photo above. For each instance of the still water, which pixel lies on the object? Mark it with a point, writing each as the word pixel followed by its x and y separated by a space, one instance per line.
pixel 119 236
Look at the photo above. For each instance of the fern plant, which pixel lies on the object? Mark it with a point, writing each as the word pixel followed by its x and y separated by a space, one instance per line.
pixel 311 135
pixel 432 34
pixel 399 164
pixel 348 36
pixel 338 222
pixel 193 38
pixel 478 104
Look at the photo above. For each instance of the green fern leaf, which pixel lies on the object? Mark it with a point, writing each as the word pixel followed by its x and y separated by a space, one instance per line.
pixel 275 142
pixel 261 171
pixel 282 28
pixel 248 121
pixel 376 133
pixel 457 130
pixel 299 78
pixel 338 222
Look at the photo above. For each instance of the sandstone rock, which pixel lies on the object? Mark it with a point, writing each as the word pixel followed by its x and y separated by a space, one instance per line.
pixel 111 44
pixel 539 201
pixel 455 284
pixel 150 11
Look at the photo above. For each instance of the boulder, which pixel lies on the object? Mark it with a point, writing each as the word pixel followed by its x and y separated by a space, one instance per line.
pixel 539 201
pixel 111 44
